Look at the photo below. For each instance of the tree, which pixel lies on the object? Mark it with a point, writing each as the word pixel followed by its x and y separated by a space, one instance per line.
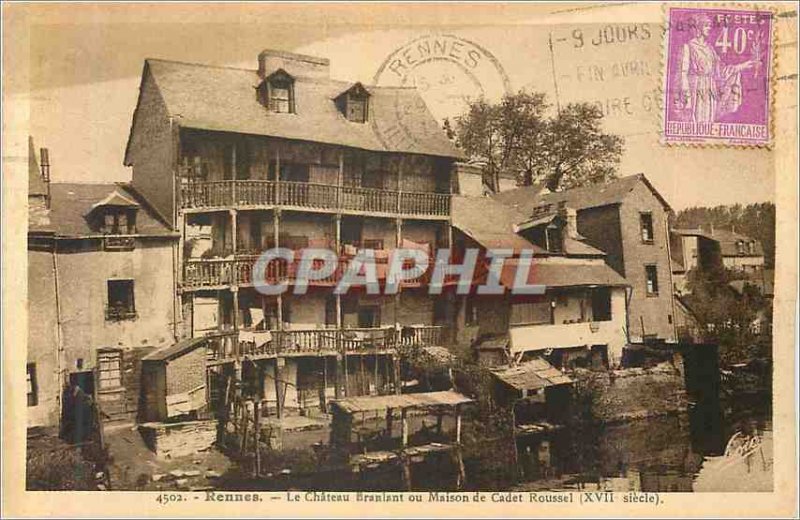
pixel 726 317
pixel 521 135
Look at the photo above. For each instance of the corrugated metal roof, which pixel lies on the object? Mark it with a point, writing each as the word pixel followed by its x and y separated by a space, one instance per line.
pixel 532 375
pixel 225 99
pixel 384 402
pixel 175 350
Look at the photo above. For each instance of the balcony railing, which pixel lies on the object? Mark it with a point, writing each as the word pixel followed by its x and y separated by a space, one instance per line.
pixel 230 345
pixel 238 270
pixel 214 194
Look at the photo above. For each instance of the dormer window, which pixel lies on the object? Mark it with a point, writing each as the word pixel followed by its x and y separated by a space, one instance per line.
pixel 354 103
pixel 114 215
pixel 278 92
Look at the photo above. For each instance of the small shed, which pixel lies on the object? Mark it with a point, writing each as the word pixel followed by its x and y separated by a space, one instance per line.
pixel 174 381
pixel 535 389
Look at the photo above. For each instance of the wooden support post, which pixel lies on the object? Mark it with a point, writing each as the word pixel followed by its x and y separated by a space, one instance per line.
pixel 339 182
pixel 458 425
pixel 399 184
pixel 403 428
pixel 520 471
pixel 243 432
pixel 257 435
pixel 406 463
pixel 280 388
pixel 276 224
pixel 234 232
pixel 323 393
pixel 439 417
pixel 277 175
pixel 234 201
pixel 389 422
pixel 398 385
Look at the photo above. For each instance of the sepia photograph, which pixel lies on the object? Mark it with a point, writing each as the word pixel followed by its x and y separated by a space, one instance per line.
pixel 379 253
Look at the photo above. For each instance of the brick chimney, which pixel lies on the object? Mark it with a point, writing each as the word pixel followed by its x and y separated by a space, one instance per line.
pixel 297 65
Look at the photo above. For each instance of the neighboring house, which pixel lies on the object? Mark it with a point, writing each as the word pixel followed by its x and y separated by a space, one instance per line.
pixel 691 249
pixel 739 252
pixel 579 320
pixel 242 160
pixel 628 220
pixel 699 249
pixel 100 292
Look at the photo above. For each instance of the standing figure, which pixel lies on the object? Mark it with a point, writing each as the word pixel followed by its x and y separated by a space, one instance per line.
pixel 709 89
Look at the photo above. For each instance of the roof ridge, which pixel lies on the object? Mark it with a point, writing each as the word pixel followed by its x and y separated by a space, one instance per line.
pixel 206 65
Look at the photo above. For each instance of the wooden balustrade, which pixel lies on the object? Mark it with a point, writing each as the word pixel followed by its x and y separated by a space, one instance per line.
pixel 228 345
pixel 235 193
pixel 218 272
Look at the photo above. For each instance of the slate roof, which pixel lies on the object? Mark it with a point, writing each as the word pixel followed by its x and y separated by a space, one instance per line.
pixel 726 239
pixel 492 225
pixel 175 350
pixel 727 243
pixel 384 402
pixel 224 99
pixel 532 375
pixel 489 223
pixel 70 203
pixel 597 273
pixel 614 192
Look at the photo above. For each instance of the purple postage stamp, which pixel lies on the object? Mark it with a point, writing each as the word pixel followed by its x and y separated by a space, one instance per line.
pixel 718 76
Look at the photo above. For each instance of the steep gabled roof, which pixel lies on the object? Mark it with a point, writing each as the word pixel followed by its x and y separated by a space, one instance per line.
pixel 224 99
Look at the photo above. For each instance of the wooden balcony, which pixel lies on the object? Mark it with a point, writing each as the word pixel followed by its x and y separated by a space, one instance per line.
pixel 217 273
pixel 224 347
pixel 312 197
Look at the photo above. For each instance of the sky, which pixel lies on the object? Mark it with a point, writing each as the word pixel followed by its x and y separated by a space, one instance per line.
pixel 83 65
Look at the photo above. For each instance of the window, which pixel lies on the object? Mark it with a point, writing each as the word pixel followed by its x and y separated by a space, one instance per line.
pixel 280 96
pixel 109 364
pixel 601 304
pixel 646 224
pixel 33 387
pixel 554 240
pixel 531 313
pixel 751 247
pixel 356 108
pixel 740 247
pixel 119 222
pixel 120 300
pixel 369 316
pixel 651 275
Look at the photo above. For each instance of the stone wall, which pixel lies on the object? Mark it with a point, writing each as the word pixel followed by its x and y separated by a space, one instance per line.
pixel 172 440
pixel 634 393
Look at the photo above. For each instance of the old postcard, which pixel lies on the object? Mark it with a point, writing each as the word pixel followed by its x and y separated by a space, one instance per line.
pixel 400 260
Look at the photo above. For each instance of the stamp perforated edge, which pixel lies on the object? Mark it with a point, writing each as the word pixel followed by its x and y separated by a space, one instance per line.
pixel 772 87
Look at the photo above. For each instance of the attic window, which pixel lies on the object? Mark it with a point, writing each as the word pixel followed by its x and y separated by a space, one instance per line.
pixel 354 103
pixel 118 221
pixel 280 92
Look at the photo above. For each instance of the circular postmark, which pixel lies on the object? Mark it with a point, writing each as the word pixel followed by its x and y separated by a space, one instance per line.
pixel 447 72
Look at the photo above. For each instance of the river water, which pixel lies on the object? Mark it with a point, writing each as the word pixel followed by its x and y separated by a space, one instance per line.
pixel 718 448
